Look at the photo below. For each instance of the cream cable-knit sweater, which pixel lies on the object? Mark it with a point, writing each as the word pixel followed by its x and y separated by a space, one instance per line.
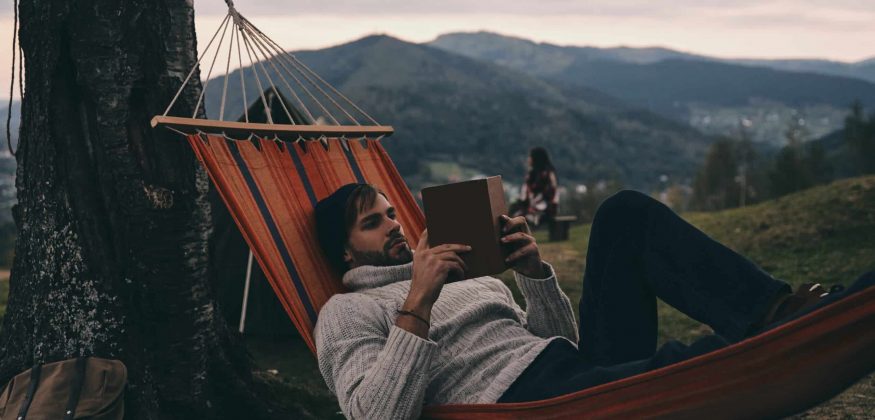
pixel 480 341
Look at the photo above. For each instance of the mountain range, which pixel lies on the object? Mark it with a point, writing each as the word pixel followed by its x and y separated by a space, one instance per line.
pixel 480 100
pixel 449 107
pixel 489 42
pixel 710 94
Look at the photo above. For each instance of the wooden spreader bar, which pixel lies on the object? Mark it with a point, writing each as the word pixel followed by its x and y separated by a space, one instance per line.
pixel 243 130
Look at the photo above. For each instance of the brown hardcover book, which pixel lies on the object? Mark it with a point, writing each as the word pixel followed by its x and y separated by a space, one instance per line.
pixel 469 213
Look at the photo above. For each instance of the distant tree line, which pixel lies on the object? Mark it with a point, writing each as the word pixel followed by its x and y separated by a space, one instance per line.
pixel 735 174
pixel 860 136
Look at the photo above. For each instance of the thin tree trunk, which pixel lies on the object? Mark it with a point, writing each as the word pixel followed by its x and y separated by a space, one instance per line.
pixel 113 221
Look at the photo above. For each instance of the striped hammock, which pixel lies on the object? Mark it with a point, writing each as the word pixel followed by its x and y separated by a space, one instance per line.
pixel 271 188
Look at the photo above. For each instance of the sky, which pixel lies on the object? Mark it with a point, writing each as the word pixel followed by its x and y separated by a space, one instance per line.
pixel 840 30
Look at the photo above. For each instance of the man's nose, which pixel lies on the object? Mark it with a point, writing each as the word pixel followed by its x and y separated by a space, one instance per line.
pixel 394 226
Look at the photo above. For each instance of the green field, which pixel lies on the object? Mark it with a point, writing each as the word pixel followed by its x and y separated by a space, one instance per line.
pixel 825 234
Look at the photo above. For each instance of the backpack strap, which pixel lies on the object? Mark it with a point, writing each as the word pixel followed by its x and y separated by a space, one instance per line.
pixel 76 388
pixel 31 390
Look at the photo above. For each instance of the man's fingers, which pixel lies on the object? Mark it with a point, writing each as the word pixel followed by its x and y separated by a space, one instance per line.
pixel 517 237
pixel 517 223
pixel 453 257
pixel 423 241
pixel 451 248
pixel 525 251
pixel 455 268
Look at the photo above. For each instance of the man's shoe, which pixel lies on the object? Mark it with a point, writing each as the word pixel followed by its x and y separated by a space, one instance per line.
pixel 806 296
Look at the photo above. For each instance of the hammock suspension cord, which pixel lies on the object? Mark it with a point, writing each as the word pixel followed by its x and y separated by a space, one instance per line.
pixel 16 49
pixel 276 72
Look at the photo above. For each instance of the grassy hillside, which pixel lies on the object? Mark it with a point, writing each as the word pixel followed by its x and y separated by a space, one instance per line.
pixel 825 234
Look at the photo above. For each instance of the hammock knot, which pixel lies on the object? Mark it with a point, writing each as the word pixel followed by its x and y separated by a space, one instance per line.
pixel 234 13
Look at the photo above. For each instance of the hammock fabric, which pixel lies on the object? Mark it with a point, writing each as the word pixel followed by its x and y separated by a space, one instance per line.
pixel 271 188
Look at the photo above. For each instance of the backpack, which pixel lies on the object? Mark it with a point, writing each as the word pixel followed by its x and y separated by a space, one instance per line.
pixel 82 388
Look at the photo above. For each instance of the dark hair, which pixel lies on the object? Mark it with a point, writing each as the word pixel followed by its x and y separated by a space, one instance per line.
pixel 335 216
pixel 540 162
pixel 361 199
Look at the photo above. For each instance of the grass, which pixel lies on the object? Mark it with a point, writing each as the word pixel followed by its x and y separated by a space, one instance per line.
pixel 289 369
pixel 822 235
pixel 825 234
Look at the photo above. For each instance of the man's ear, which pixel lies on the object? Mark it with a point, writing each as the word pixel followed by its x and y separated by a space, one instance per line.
pixel 347 255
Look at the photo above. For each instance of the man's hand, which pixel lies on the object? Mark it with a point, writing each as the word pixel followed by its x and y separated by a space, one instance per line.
pixel 431 267
pixel 524 258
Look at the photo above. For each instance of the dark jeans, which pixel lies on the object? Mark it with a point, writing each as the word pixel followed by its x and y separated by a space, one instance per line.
pixel 640 250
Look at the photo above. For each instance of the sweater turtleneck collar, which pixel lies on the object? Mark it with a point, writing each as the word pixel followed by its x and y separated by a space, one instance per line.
pixel 370 276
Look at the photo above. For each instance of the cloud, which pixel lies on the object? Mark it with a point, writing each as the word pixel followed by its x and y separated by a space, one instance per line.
pixel 834 29
pixel 658 9
pixel 641 8
pixel 461 7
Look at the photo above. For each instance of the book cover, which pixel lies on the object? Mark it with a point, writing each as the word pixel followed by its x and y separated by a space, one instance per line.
pixel 469 213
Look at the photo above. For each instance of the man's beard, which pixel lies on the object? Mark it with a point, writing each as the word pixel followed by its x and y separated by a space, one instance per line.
pixel 384 258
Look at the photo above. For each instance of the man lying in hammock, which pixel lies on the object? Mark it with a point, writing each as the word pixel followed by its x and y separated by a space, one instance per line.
pixel 403 337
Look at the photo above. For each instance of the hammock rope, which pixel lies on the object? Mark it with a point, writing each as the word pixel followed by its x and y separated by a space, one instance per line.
pixel 225 81
pixel 330 86
pixel 195 67
pixel 200 97
pixel 247 27
pixel 304 88
pixel 12 79
pixel 242 81
pixel 319 88
pixel 275 72
pixel 267 74
pixel 272 62
pixel 254 70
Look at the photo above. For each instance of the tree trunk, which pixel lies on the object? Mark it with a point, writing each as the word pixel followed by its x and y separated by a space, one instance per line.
pixel 113 221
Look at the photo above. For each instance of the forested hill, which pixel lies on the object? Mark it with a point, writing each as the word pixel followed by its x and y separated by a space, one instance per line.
pixel 707 93
pixel 447 107
pixel 550 58
pixel 663 77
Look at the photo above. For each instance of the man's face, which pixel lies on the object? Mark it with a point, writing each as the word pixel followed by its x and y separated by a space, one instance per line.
pixel 376 238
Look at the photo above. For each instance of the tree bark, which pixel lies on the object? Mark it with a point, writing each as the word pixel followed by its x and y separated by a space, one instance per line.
pixel 112 216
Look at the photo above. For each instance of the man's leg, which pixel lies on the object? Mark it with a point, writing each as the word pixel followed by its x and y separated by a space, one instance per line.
pixel 639 250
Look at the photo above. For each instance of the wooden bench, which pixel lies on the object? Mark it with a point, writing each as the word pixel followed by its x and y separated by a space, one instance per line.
pixel 560 226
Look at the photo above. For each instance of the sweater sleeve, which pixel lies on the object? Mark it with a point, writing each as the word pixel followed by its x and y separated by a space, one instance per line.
pixel 376 370
pixel 548 309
